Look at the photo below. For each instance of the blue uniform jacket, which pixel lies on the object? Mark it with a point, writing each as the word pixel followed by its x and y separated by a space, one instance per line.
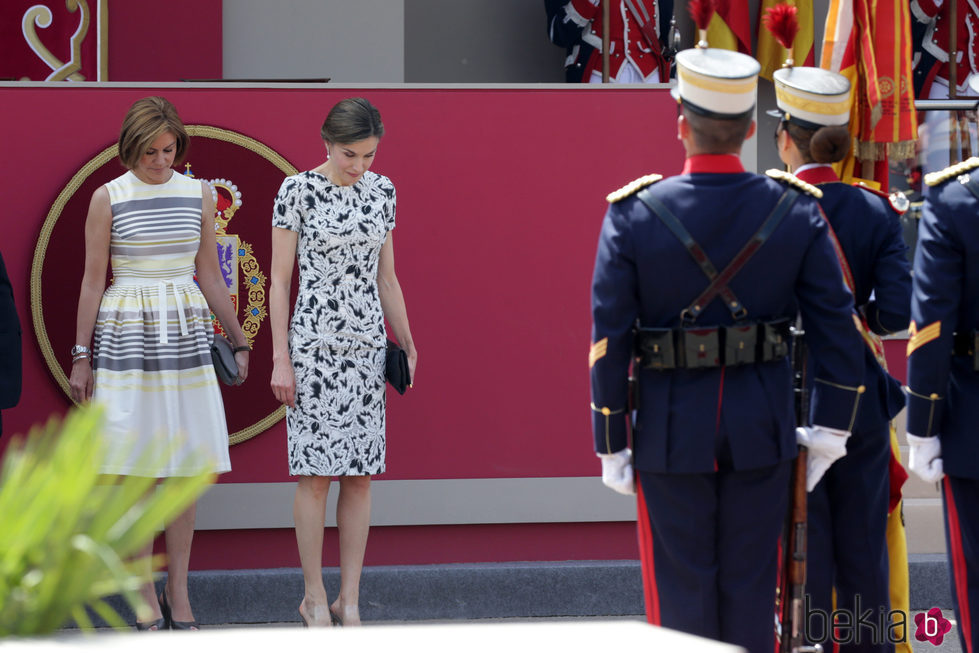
pixel 644 273
pixel 943 390
pixel 868 229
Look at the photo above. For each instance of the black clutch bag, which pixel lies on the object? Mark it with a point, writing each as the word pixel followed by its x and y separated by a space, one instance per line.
pixel 223 357
pixel 396 367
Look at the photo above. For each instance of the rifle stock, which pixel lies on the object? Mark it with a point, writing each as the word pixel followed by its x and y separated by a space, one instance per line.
pixel 792 588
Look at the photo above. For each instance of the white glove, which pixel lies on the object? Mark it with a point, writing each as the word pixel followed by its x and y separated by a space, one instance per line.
pixel 925 458
pixel 825 446
pixel 617 471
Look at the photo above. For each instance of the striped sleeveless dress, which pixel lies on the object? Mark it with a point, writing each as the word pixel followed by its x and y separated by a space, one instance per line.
pixel 152 360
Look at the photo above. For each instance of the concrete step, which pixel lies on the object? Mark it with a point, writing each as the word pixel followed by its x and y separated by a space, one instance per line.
pixel 924 526
pixel 469 591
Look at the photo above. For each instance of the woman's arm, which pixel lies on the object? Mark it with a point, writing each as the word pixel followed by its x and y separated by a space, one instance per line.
pixel 98 227
pixel 393 303
pixel 283 256
pixel 212 283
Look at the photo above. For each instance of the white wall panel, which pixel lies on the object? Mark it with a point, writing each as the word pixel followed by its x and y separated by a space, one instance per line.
pixel 347 41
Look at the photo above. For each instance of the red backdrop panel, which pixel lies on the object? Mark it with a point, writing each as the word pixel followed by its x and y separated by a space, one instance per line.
pixel 897 360
pixel 165 41
pixel 500 199
pixel 423 545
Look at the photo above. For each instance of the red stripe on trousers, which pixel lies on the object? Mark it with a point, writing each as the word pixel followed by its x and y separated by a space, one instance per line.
pixel 958 564
pixel 650 592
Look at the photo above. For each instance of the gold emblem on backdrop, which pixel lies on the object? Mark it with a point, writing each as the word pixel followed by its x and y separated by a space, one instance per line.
pixel 236 258
pixel 40 16
pixel 59 260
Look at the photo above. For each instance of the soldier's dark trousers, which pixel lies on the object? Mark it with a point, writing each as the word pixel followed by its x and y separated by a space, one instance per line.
pixel 709 548
pixel 960 500
pixel 847 547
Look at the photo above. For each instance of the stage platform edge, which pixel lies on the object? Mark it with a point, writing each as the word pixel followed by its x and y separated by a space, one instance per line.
pixel 470 591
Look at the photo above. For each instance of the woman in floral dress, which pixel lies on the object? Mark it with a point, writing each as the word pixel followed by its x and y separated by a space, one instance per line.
pixel 336 221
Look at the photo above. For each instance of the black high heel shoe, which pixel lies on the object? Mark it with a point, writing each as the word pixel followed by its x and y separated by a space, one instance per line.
pixel 171 623
pixel 159 624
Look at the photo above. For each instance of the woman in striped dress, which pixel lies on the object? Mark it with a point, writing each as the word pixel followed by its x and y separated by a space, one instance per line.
pixel 150 365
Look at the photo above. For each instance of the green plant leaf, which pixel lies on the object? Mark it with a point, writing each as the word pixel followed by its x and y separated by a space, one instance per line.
pixel 70 534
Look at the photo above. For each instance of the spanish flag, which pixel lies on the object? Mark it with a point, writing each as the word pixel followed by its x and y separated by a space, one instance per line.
pixel 730 28
pixel 771 55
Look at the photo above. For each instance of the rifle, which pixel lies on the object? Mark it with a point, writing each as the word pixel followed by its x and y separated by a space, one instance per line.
pixel 792 588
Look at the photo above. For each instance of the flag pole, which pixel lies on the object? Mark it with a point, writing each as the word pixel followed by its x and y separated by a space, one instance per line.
pixel 956 120
pixel 605 40
pixel 953 49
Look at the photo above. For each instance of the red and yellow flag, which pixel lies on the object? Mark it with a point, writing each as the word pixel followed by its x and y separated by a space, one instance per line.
pixel 730 27
pixel 771 55
pixel 869 42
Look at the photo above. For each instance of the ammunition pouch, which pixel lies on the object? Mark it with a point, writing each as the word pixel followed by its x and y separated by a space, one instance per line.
pixel 693 348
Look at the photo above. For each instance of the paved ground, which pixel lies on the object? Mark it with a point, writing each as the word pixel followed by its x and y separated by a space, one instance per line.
pixel 950 643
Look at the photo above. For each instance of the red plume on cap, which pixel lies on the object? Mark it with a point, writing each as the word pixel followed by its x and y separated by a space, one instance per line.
pixel 782 21
pixel 702 11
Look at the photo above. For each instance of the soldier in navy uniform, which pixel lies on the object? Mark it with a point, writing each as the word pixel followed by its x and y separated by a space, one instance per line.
pixel 683 292
pixel 848 508
pixel 943 373
pixel 10 354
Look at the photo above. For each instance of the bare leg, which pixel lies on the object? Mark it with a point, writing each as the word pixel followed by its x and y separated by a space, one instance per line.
pixel 143 557
pixel 179 536
pixel 148 590
pixel 309 512
pixel 353 523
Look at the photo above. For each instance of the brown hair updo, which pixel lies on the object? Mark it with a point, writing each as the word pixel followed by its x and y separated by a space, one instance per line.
pixel 352 120
pixel 820 145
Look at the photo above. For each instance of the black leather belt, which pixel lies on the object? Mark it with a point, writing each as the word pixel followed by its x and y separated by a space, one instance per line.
pixel 743 344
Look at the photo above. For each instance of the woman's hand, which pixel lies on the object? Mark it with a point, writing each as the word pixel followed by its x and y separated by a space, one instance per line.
pixel 284 383
pixel 241 358
pixel 412 362
pixel 82 380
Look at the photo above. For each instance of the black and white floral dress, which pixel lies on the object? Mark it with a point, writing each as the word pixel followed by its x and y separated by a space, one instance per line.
pixel 336 337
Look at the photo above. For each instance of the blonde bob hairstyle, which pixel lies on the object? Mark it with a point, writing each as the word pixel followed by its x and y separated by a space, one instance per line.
pixel 144 122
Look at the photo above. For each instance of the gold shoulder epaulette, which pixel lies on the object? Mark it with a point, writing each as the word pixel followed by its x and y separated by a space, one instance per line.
pixel 935 178
pixel 792 180
pixel 632 187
